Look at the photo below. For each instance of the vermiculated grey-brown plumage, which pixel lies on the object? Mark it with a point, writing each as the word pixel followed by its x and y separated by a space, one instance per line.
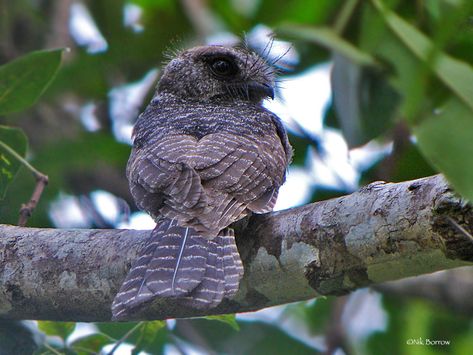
pixel 206 153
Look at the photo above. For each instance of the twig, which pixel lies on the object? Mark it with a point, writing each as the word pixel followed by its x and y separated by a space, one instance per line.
pixel 18 157
pixel 51 349
pixel 27 209
pixel 41 181
pixel 460 228
pixel 125 337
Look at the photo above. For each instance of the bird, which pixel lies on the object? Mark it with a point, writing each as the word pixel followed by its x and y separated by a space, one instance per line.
pixel 206 153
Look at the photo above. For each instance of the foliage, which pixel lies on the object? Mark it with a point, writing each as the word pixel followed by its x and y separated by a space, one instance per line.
pixel 414 324
pixel 25 79
pixel 400 68
pixel 22 81
pixel 10 139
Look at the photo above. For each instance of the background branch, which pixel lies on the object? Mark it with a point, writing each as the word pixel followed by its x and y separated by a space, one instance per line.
pixel 382 232
pixel 450 288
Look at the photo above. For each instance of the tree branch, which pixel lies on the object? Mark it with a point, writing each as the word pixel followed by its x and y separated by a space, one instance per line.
pixel 382 232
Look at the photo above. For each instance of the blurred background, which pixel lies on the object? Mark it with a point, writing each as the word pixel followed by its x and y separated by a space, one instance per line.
pixel 361 83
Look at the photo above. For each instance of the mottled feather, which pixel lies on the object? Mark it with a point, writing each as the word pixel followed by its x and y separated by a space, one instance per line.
pixel 206 153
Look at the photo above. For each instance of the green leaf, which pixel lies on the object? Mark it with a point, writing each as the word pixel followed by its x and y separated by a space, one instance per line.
pixel 254 337
pixel 410 164
pixel 445 139
pixel 327 38
pixel 315 314
pixel 23 80
pixel 454 73
pixel 464 344
pixel 227 319
pixel 406 72
pixel 158 4
pixel 115 330
pixel 365 102
pixel 297 11
pixel 148 334
pixel 391 341
pixel 15 139
pixel 90 344
pixel 60 329
pixel 412 320
pixel 319 313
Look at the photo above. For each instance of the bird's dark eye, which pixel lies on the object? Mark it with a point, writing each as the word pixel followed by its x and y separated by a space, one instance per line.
pixel 223 67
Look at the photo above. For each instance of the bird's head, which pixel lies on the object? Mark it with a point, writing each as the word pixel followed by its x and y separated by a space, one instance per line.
pixel 218 73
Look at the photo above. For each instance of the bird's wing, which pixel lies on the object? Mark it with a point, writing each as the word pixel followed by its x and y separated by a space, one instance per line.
pixel 208 183
pixel 249 174
pixel 159 175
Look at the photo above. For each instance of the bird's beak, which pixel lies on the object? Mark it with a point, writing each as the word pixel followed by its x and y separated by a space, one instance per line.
pixel 259 89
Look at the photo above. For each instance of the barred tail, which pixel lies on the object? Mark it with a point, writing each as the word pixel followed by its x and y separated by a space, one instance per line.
pixel 178 262
pixel 222 275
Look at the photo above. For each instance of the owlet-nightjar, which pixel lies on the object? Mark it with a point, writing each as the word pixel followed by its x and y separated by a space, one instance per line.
pixel 206 153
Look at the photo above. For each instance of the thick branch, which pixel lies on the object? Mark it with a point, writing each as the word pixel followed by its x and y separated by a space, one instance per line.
pixel 382 232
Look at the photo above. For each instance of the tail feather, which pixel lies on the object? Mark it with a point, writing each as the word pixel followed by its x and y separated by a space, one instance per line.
pixel 171 264
pixel 178 262
pixel 232 262
pixel 211 290
pixel 223 273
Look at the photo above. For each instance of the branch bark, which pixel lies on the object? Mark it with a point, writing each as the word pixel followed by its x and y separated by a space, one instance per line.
pixel 382 232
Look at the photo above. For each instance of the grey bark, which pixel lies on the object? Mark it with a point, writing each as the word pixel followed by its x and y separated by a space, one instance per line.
pixel 382 232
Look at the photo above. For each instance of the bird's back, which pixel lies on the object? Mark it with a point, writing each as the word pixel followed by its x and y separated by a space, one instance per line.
pixel 224 156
